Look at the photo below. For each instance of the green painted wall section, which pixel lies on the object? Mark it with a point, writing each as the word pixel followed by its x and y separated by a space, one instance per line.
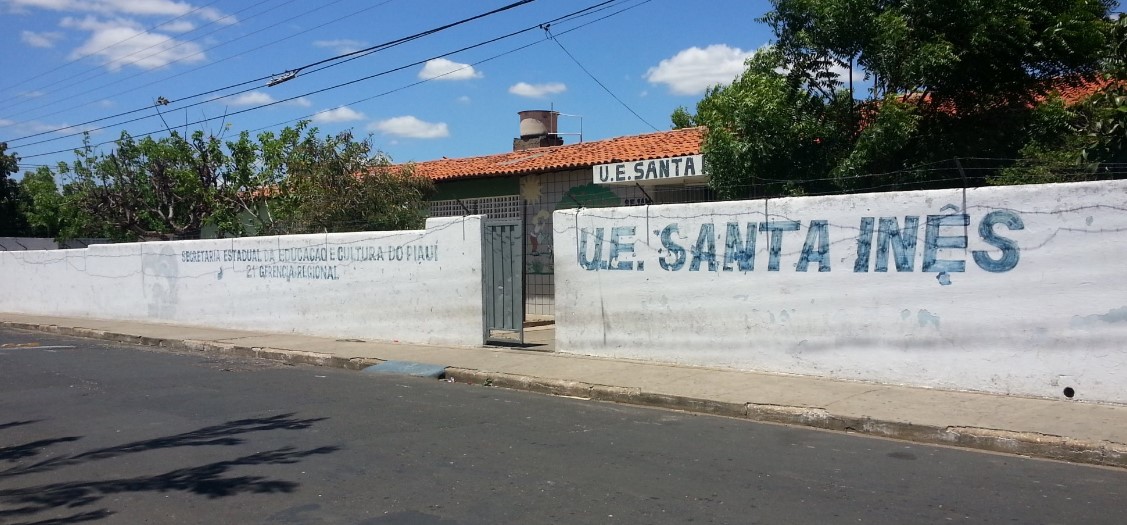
pixel 475 188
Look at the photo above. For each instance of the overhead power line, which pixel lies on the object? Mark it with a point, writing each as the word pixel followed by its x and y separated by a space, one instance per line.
pixel 325 64
pixel 80 78
pixel 183 58
pixel 566 18
pixel 597 81
pixel 372 49
pixel 382 73
pixel 117 43
pixel 209 64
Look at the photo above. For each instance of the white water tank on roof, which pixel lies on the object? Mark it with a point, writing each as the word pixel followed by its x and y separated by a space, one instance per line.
pixel 537 123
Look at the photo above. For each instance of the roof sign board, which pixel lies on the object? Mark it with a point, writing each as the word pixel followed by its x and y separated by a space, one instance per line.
pixel 687 168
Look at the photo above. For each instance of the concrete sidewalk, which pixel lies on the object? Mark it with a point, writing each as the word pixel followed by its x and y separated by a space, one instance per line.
pixel 1057 429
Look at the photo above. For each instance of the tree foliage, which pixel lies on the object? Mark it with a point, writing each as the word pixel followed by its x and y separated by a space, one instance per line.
pixel 150 188
pixel 335 184
pixel 178 187
pixel 937 80
pixel 773 131
pixel 43 204
pixel 12 222
pixel 1082 141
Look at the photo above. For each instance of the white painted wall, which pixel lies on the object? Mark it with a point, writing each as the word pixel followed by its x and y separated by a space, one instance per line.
pixel 1053 315
pixel 419 286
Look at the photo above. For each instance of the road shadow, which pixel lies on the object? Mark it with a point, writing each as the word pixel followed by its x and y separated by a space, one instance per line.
pixel 81 517
pixel 212 480
pixel 224 434
pixel 27 450
pixel 10 424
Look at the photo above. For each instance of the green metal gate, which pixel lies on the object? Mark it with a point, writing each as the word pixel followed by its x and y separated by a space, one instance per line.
pixel 503 281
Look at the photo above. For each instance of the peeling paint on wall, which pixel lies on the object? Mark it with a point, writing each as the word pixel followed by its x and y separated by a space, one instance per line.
pixel 1118 315
pixel 927 318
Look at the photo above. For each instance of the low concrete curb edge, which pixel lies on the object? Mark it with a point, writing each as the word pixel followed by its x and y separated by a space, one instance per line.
pixel 1022 443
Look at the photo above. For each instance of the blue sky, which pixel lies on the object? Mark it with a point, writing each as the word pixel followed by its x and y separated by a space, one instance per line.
pixel 68 62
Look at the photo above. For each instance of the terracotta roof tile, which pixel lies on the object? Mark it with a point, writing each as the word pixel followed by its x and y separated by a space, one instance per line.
pixel 1075 91
pixel 555 158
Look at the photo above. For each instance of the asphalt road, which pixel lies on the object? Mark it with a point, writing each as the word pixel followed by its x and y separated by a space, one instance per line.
pixel 94 432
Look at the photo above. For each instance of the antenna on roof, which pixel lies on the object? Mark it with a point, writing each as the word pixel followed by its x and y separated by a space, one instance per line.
pixel 580 117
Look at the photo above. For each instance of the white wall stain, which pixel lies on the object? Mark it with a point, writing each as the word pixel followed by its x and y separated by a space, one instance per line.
pixel 1117 315
pixel 927 318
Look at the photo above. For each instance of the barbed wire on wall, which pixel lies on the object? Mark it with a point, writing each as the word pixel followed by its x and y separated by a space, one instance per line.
pixel 955 173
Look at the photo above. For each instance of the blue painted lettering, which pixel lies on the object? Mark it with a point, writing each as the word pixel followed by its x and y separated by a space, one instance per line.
pixel 596 262
pixel 705 248
pixel 674 250
pixel 864 245
pixel 775 231
pixel 736 251
pixel 903 243
pixel 1010 252
pixel 619 246
pixel 933 242
pixel 816 247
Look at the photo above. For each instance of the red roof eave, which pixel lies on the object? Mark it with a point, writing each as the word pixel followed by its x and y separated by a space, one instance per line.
pixel 658 145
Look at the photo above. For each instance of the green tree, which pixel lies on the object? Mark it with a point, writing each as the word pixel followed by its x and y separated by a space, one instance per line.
pixel 767 134
pixel 43 204
pixel 149 188
pixel 948 78
pixel 1085 140
pixel 175 187
pixel 335 184
pixel 12 222
pixel 1106 125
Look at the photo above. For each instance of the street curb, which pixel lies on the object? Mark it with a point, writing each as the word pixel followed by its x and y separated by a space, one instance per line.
pixel 1106 453
pixel 292 357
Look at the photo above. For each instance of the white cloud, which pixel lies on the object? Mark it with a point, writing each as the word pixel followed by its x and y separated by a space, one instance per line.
pixel 341 46
pixel 463 99
pixel 259 98
pixel 340 114
pixel 693 70
pixel 163 8
pixel 179 26
pixel 34 39
pixel 252 98
pixel 36 127
pixel 32 94
pixel 122 42
pixel 525 89
pixel 442 69
pixel 411 127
